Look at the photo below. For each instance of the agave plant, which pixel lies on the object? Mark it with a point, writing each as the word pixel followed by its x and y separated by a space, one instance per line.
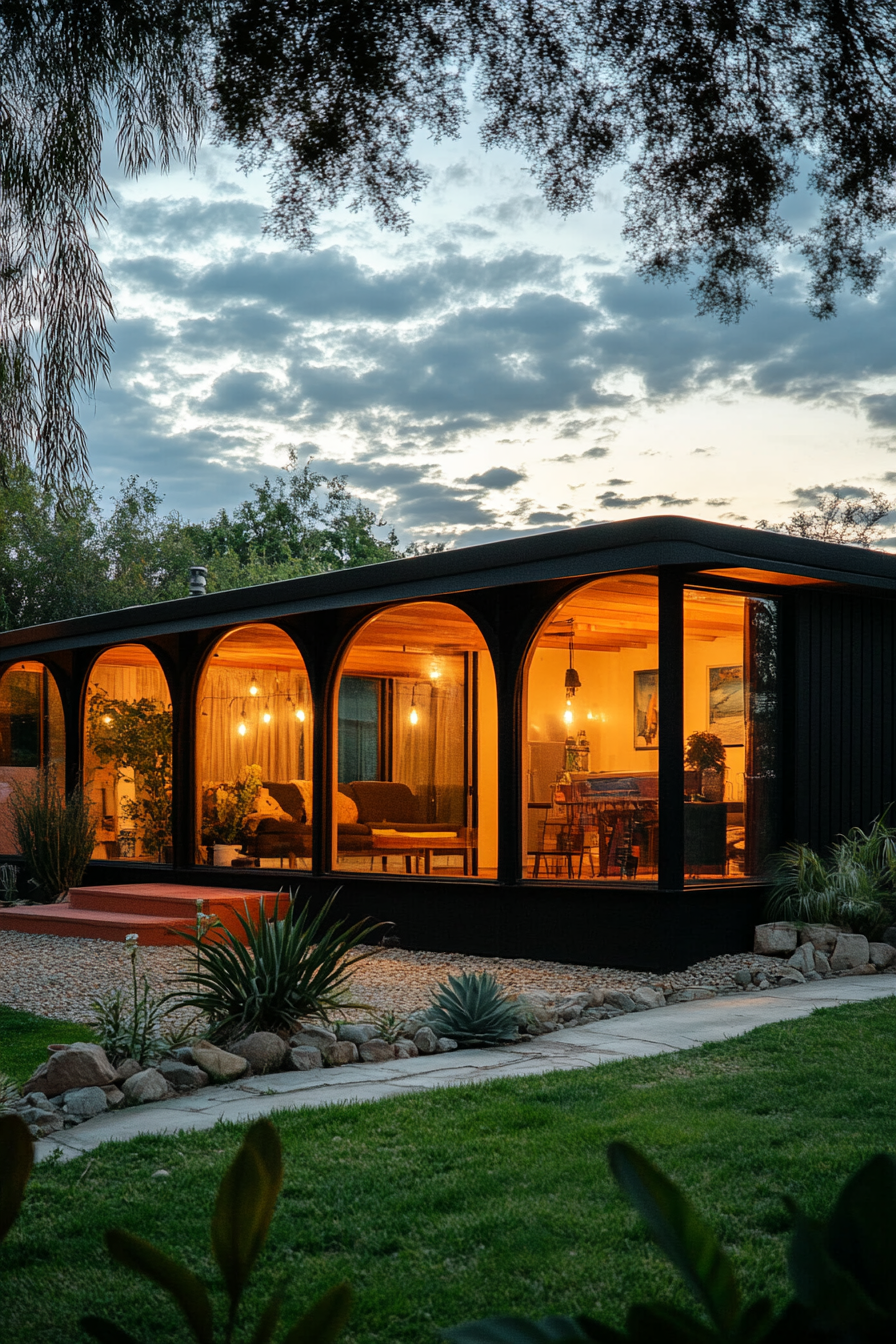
pixel 291 966
pixel 474 1009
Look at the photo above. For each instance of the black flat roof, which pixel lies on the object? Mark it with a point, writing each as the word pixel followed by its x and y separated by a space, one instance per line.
pixel 635 543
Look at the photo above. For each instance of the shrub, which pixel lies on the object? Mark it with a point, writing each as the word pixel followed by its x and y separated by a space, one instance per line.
pixel 289 968
pixel 474 1010
pixel 130 1026
pixel 855 887
pixel 9 1092
pixel 55 833
pixel 841 1274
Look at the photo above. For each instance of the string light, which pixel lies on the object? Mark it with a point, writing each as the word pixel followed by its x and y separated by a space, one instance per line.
pixel 266 716
pixel 567 716
pixel 414 716
pixel 300 715
pixel 253 689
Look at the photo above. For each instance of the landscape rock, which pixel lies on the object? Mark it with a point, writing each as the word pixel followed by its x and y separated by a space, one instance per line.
pixel 789 975
pixel 114 1097
pixel 695 992
pixel 803 959
pixel 650 998
pixel 41 1122
pixel 357 1032
pixel 39 1099
pixel 339 1052
pixel 742 976
pixel 264 1051
pixel 220 1065
pixel 774 940
pixel 426 1041
pixel 446 1043
pixel 182 1077
pixel 881 955
pixel 376 1051
pixel 850 952
pixel 316 1036
pixel 184 1053
pixel 406 1050
pixel 822 965
pixel 889 935
pixel 84 1102
pixel 568 1010
pixel 150 1085
pixel 617 998
pixel 127 1068
pixel 597 998
pixel 821 936
pixel 304 1057
pixel 81 1065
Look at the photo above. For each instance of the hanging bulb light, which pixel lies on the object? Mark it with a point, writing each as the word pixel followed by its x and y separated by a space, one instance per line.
pixel 572 682
pixel 414 717
pixel 300 715
pixel 434 670
pixel 253 689
pixel 567 715
pixel 242 727
pixel 266 716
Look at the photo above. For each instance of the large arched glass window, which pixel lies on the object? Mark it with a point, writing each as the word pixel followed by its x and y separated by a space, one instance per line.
pixel 592 726
pixel 253 752
pixel 127 755
pixel 32 736
pixel 416 733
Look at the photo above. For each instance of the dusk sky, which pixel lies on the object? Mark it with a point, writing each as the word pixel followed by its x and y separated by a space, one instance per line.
pixel 495 370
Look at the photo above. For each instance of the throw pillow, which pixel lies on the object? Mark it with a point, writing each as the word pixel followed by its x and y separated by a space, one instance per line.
pixel 266 805
pixel 346 810
pixel 305 789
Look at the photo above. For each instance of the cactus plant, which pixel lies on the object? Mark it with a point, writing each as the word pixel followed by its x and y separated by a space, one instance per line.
pixel 474 1010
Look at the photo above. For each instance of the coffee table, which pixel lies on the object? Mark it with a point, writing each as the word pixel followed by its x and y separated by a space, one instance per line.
pixel 413 846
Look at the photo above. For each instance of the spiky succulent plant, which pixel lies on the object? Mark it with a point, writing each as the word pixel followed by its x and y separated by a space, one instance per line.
pixel 474 1009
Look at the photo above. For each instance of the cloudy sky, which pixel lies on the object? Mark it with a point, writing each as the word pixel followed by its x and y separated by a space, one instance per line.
pixel 495 370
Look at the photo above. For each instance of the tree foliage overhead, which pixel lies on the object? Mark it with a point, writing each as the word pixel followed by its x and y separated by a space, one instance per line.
pixel 715 106
pixel 848 520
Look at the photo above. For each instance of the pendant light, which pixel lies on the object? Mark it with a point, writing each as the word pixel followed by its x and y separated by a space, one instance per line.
pixel 414 717
pixel 253 688
pixel 572 682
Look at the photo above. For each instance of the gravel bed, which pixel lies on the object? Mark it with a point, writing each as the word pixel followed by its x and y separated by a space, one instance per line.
pixel 59 977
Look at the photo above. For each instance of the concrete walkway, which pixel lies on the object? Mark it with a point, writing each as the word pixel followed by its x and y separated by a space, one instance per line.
pixel 657 1032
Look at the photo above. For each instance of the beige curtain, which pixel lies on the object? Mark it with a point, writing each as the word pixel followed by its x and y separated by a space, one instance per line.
pixel 429 755
pixel 282 746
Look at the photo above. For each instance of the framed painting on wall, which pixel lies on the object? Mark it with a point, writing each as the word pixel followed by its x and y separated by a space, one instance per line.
pixel 726 704
pixel 647 719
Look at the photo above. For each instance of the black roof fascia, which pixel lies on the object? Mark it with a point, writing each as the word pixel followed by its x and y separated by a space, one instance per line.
pixel 640 543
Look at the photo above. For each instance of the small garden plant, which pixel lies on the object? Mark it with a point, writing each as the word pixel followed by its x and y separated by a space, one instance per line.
pixel 129 1024
pixel 474 1010
pixel 854 887
pixel 55 834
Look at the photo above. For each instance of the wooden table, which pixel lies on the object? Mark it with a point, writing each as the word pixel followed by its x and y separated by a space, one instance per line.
pixel 412 846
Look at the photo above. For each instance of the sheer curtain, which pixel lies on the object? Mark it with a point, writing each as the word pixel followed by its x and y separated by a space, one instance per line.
pixel 280 746
pixel 429 755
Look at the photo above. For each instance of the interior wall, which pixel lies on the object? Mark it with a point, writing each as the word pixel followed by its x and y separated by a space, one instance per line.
pixel 488 764
pixel 699 656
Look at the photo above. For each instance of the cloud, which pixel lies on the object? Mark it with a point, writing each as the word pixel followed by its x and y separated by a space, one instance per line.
pixel 545 516
pixel 497 478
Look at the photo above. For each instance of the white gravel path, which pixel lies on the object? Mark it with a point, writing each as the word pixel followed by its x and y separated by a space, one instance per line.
pixel 59 977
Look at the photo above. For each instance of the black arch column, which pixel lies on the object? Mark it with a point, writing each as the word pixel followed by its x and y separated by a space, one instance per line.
pixel 671 716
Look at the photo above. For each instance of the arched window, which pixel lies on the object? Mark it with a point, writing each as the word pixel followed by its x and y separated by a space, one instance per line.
pixel 416 730
pixel 32 736
pixel 253 752
pixel 592 725
pixel 127 755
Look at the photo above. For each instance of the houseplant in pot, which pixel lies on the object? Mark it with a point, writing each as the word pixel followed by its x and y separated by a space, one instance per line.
pixel 134 736
pixel 705 753
pixel 234 801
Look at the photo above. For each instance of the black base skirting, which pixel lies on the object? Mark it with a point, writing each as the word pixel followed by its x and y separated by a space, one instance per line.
pixel 626 925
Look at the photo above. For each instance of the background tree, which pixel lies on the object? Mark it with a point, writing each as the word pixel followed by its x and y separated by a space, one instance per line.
pixel 716 107
pixel 836 517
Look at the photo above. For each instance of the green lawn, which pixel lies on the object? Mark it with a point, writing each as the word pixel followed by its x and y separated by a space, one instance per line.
pixel 24 1039
pixel 467 1202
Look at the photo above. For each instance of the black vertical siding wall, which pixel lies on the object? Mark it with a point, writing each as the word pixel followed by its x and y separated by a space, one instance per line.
pixel 839 713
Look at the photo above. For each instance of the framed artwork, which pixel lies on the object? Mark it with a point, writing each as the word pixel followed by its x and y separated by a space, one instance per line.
pixel 647 720
pixel 726 704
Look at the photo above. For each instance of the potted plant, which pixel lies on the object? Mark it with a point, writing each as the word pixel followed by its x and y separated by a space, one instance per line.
pixel 135 735
pixel 233 804
pixel 705 753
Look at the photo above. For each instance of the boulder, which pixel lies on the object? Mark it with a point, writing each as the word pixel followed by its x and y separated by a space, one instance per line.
pixel 184 1053
pixel 648 997
pixel 446 1043
pixel 426 1041
pixel 340 1052
pixel 81 1065
pixel 617 998
pixel 881 955
pixel 41 1122
pixel 316 1036
pixel 303 1057
pixel 376 1051
pixel 149 1085
pixel 774 940
pixel 803 959
pixel 568 1010
pixel 742 976
pixel 822 965
pixel 821 936
pixel 597 998
pixel 788 975
pixel 692 994
pixel 114 1097
pixel 357 1032
pixel 182 1077
pixel 83 1102
pixel 405 1049
pixel 850 952
pixel 127 1068
pixel 220 1065
pixel 264 1051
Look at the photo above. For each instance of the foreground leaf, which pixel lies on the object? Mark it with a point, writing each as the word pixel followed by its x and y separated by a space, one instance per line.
pixel 188 1291
pixel 17 1152
pixel 245 1205
pixel 326 1320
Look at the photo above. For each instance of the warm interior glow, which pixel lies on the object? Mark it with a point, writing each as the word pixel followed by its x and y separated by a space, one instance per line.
pixel 567 717
pixel 414 716
pixel 300 715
